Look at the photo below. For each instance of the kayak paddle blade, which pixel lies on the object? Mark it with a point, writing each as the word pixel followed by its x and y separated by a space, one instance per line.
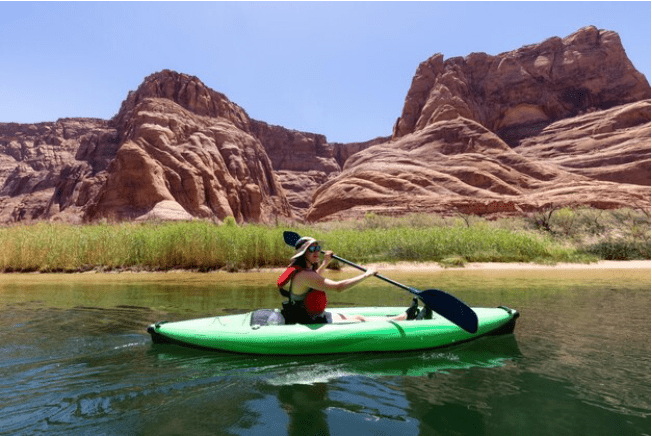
pixel 291 238
pixel 451 308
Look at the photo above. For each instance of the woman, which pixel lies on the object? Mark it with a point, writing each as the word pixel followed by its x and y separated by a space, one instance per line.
pixel 307 297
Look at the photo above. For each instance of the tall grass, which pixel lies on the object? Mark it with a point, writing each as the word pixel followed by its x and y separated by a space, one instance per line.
pixel 441 244
pixel 184 245
pixel 570 236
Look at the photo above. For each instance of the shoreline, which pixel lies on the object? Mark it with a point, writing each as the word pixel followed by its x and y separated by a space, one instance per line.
pixel 434 266
pixel 489 266
pixel 402 266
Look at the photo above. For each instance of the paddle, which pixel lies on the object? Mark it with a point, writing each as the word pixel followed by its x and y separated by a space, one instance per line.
pixel 448 306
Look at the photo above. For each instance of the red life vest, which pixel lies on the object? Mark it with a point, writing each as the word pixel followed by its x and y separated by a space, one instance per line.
pixel 287 275
pixel 315 301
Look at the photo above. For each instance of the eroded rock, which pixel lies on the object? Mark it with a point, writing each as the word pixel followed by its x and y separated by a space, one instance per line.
pixel 206 164
pixel 459 165
pixel 563 122
pixel 517 93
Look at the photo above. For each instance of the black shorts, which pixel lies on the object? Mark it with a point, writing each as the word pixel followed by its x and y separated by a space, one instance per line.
pixel 295 313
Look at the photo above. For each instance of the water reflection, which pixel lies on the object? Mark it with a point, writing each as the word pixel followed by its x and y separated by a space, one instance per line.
pixel 305 407
pixel 328 394
pixel 486 352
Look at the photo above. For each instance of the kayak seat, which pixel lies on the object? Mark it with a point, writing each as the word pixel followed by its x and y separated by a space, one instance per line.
pixel 267 317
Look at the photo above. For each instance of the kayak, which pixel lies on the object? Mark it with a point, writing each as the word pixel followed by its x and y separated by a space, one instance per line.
pixel 263 332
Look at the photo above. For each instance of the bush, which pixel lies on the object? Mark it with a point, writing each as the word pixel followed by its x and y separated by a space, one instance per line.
pixel 564 221
pixel 621 250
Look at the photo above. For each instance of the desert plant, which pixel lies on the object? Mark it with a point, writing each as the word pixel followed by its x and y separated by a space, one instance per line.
pixel 564 219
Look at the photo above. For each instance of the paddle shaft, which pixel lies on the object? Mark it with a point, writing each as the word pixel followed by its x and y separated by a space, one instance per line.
pixel 390 281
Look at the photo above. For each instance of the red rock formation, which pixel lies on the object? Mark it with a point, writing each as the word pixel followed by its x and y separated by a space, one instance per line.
pixel 344 151
pixel 186 91
pixel 302 161
pixel 564 122
pixel 292 150
pixel 185 143
pixel 611 145
pixel 459 165
pixel 53 169
pixel 175 150
pixel 509 133
pixel 515 94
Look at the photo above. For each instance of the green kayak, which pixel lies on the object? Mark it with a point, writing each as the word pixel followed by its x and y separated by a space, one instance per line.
pixel 262 332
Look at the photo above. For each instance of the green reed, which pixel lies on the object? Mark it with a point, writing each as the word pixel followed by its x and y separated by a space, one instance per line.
pixel 582 235
pixel 456 245
pixel 151 246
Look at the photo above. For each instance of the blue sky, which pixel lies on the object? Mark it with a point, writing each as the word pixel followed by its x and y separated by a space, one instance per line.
pixel 341 69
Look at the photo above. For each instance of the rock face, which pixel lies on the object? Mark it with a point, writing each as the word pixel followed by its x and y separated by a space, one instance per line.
pixel 611 145
pixel 302 162
pixel 515 94
pixel 53 169
pixel 564 122
pixel 175 150
pixel 183 142
pixel 459 165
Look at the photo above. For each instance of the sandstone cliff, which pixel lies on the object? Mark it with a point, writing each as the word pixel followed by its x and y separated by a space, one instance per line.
pixel 459 165
pixel 563 122
pixel 302 162
pixel 176 150
pixel 53 169
pixel 183 142
pixel 515 94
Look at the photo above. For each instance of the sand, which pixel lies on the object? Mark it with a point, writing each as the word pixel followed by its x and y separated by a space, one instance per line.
pixel 432 266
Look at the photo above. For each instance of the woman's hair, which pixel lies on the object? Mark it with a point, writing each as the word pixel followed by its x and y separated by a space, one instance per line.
pixel 301 261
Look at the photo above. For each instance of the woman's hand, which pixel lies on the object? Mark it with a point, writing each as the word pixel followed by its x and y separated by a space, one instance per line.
pixel 371 272
pixel 328 255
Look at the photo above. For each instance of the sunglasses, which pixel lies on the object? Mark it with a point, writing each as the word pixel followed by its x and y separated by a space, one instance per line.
pixel 314 248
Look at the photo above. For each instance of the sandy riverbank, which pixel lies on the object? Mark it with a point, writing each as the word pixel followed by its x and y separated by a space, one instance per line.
pixel 434 266
pixel 604 264
pixel 384 267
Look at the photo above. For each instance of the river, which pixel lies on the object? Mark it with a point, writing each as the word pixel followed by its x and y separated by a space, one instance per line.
pixel 75 360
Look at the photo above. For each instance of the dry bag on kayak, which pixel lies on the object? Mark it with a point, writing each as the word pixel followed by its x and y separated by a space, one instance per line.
pixel 267 317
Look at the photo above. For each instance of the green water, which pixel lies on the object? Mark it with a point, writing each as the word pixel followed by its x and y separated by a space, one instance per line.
pixel 75 359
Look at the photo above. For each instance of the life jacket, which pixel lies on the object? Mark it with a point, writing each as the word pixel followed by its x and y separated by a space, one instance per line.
pixel 285 278
pixel 314 302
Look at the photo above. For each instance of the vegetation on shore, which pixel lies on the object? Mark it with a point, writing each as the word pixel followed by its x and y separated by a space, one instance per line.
pixel 559 235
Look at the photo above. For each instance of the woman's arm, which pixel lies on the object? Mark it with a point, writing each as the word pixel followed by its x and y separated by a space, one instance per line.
pixel 313 280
